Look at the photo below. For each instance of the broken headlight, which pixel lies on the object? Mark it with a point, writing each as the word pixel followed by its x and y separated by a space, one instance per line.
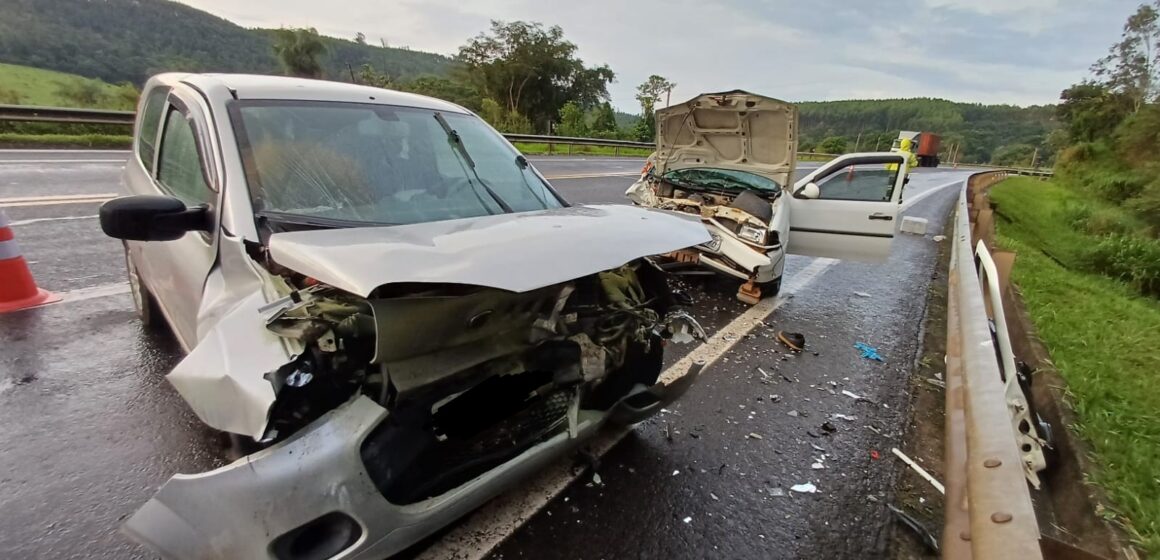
pixel 755 235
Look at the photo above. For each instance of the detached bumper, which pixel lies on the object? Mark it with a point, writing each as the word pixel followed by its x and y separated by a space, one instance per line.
pixel 740 260
pixel 311 496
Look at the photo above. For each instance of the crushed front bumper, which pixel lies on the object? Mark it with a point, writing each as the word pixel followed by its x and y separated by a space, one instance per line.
pixel 312 497
pixel 728 255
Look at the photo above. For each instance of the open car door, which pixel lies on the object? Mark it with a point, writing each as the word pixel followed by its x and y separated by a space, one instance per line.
pixel 848 207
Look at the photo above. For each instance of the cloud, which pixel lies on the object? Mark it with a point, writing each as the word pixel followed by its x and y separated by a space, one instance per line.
pixel 1012 51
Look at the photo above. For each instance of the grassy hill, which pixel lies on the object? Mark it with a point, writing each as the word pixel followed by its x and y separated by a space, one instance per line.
pixel 35 86
pixel 128 40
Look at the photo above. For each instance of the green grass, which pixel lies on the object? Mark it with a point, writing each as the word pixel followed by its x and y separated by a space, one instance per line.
pixel 15 140
pixel 539 149
pixel 1103 337
pixel 36 86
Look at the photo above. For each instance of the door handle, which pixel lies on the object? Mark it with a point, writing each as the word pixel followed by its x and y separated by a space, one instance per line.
pixel 881 216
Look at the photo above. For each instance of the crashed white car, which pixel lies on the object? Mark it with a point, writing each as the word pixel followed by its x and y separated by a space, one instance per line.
pixel 378 293
pixel 729 158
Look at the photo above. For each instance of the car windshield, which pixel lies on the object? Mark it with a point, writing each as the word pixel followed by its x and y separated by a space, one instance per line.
pixel 728 179
pixel 353 163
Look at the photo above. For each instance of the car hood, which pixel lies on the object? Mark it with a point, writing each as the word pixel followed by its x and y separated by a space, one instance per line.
pixel 731 130
pixel 515 252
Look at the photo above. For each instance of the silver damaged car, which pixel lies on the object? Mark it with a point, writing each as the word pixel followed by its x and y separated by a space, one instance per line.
pixel 391 311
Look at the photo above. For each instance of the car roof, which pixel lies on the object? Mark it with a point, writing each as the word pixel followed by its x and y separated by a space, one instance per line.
pixel 255 86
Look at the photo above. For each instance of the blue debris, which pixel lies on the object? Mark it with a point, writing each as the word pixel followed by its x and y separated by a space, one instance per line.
pixel 868 352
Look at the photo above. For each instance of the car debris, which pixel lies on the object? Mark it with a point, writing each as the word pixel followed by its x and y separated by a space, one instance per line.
pixel 793 341
pixel 828 428
pixel 804 488
pixel 935 382
pixel 714 497
pixel 753 436
pixel 862 294
pixel 939 238
pixel 868 352
pixel 839 416
pixel 921 471
pixel 924 535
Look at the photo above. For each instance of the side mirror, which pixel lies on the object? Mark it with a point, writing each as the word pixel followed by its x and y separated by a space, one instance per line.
pixel 810 190
pixel 151 218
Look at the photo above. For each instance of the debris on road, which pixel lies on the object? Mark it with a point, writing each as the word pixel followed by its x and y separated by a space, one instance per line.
pixel 793 341
pixel 868 352
pixel 793 413
pixel 776 492
pixel 676 472
pixel 845 417
pixel 817 447
pixel 874 454
pixel 753 436
pixel 856 396
pixel 688 520
pixel 862 294
pixel 921 471
pixel 818 465
pixel 828 427
pixel 936 382
pixel 805 488
pixel 939 238
pixel 714 496
pixel 596 479
pixel 928 539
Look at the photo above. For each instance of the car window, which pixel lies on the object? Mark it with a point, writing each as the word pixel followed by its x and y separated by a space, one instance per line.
pixel 871 182
pixel 147 127
pixel 380 164
pixel 179 165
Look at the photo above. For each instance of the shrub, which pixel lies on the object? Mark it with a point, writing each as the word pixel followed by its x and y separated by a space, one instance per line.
pixel 1130 259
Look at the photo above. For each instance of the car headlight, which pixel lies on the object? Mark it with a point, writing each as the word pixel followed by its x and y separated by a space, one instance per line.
pixel 756 235
pixel 714 244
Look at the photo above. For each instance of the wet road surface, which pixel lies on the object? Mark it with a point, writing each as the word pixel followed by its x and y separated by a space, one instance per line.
pixel 94 428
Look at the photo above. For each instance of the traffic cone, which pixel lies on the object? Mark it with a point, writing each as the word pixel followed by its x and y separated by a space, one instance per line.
pixel 17 287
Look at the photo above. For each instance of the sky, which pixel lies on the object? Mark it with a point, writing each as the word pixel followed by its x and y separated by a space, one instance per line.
pixel 1021 52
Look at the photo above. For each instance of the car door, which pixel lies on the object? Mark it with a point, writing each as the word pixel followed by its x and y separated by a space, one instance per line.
pixel 854 215
pixel 175 271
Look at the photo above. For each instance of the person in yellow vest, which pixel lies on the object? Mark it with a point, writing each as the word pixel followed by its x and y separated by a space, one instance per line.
pixel 904 147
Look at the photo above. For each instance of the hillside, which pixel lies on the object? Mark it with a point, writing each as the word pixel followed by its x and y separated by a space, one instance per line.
pixel 35 86
pixel 986 132
pixel 128 40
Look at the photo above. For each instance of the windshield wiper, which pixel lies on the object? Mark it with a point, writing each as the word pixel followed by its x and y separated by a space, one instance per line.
pixel 457 142
pixel 314 221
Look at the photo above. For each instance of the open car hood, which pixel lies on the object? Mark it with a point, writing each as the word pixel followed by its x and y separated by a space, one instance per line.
pixel 730 130
pixel 515 252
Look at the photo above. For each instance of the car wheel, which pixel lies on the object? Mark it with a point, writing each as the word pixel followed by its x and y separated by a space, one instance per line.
pixel 143 301
pixel 771 288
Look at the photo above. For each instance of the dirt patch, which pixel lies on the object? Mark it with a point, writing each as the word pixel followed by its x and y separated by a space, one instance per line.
pixel 925 426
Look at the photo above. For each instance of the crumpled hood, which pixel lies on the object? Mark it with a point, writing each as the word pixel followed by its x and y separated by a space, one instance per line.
pixel 731 130
pixel 516 252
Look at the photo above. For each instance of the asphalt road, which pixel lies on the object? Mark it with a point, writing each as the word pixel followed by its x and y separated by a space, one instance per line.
pixel 92 427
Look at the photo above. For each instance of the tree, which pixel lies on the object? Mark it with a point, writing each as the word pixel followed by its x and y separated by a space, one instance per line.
pixel 604 121
pixel 1091 110
pixel 368 76
pixel 1131 65
pixel 649 94
pixel 503 119
pixel 360 38
pixel 832 145
pixel 572 121
pixel 531 70
pixel 443 88
pixel 298 50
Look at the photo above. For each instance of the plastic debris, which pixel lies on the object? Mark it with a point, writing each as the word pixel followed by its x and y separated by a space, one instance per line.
pixel 928 539
pixel 687 520
pixel 939 238
pixel 853 395
pixel 818 466
pixel 793 413
pixel 776 492
pixel 714 496
pixel 817 447
pixel 805 488
pixel 868 352
pixel 862 294
pixel 793 341
pixel 921 471
pixel 753 436
pixel 936 382
pixel 843 417
pixel 596 479
pixel 874 454
pixel 676 472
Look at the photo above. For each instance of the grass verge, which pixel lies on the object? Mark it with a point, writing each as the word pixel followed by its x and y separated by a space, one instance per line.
pixel 1103 338
pixel 560 149
pixel 104 141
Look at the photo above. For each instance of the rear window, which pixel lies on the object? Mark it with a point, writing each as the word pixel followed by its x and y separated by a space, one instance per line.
pixel 148 124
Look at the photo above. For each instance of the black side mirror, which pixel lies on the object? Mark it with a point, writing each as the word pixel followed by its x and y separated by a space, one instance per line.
pixel 145 217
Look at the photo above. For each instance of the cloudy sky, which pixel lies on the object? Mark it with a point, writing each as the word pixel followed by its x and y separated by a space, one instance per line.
pixel 991 51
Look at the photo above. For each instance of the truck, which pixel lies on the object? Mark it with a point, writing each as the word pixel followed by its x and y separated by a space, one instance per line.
pixel 924 144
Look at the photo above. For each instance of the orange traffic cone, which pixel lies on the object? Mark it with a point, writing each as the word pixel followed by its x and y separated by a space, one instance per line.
pixel 17 288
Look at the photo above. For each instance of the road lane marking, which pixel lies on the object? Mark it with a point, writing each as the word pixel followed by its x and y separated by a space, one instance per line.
pixel 38 220
pixel 58 161
pixel 94 292
pixel 493 523
pixel 48 200
pixel 906 204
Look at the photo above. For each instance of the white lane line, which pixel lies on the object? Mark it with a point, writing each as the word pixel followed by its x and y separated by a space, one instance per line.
pixel 491 524
pixel 60 151
pixel 906 204
pixel 38 220
pixel 48 200
pixel 94 292
pixel 58 161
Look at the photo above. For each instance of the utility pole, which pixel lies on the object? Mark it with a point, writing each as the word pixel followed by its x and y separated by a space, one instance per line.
pixel 858 142
pixel 1034 156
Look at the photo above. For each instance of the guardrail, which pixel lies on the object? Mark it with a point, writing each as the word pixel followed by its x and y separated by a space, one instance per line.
pixel 30 113
pixel 992 447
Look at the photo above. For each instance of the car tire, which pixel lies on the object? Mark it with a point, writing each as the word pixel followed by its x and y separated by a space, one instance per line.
pixel 771 288
pixel 143 301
